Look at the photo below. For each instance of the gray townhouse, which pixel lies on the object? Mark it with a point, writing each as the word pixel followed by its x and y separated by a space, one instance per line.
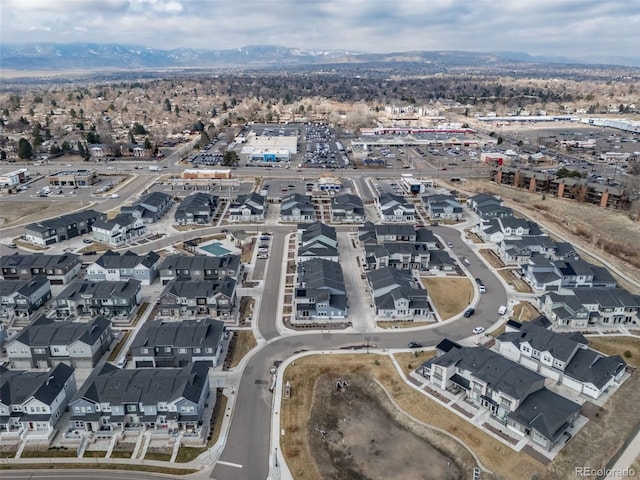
pixel 193 298
pixel 317 240
pixel 250 208
pixel 119 230
pixel 347 208
pixel 400 255
pixel 585 307
pixel 21 298
pixel 396 295
pixel 556 275
pixel 199 267
pixel 562 357
pixel 45 343
pixel 149 208
pixel 113 266
pixel 162 400
pixel 487 206
pixel 32 403
pixel 196 209
pixel 395 209
pixel 297 208
pixel 385 232
pixel 176 344
pixel 442 207
pixel 111 299
pixel 320 293
pixel 59 269
pixel 65 227
pixel 513 394
pixel 496 230
pixel 519 251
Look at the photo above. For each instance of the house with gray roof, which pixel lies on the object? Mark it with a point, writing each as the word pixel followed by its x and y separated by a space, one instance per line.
pixel 395 209
pixel 155 399
pixel 65 227
pixel 45 343
pixel 198 298
pixel 113 266
pixel 509 391
pixel 196 209
pixel 317 240
pixel 400 255
pixel 112 299
pixel 250 208
pixel 32 403
pixel 511 228
pixel 149 208
pixel 199 267
pixel 556 275
pixel 297 208
pixel 320 293
pixel 487 206
pixel 385 232
pixel 161 343
pixel 397 295
pixel 562 357
pixel 21 298
pixel 347 208
pixel 445 207
pixel 119 230
pixel 59 269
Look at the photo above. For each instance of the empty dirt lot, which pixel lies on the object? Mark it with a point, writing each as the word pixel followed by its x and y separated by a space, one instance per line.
pixel 19 212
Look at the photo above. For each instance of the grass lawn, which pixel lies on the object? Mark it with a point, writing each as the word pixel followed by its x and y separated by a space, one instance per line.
pixel 95 246
pixel 618 345
pixel 247 252
pixel 160 456
pixel 491 257
pixel 245 341
pixel 449 296
pixel 514 282
pixel 409 361
pixel 100 466
pixel 95 453
pixel 121 454
pixel 473 236
pixel 139 313
pixel 51 452
pixel 400 324
pixel 246 307
pixel 29 245
pixel 116 350
pixel 8 454
pixel 524 311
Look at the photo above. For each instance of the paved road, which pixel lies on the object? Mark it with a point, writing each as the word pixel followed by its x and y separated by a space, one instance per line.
pixel 83 475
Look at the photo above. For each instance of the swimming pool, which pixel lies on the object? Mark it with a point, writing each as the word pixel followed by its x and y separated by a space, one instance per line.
pixel 215 249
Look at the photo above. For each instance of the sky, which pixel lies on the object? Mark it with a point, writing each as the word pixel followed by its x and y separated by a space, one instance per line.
pixel 539 27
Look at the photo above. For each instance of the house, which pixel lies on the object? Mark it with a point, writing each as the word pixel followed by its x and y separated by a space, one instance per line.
pixel 59 269
pixel 509 391
pixel 394 208
pixel 320 293
pixel 107 298
pixel 401 255
pixel 444 207
pixel 561 357
pixel 347 208
pixel 512 228
pixel 547 275
pixel 113 399
pixel 522 250
pixel 196 209
pixel 397 295
pixel 149 208
pixel 297 208
pixel 32 403
pixel 21 298
pixel 119 230
pixel 45 343
pixel 114 266
pixel 199 267
pixel 487 206
pixel 177 344
pixel 239 238
pixel 384 232
pixel 190 298
pixel 317 240
pixel 62 228
pixel 250 208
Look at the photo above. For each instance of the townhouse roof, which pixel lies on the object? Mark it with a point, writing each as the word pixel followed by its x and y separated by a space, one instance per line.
pixel 606 297
pixel 154 199
pixel 560 345
pixel 39 260
pixel 319 273
pixel 179 262
pixel 317 249
pixel 295 200
pixel 64 220
pixel 590 366
pixel 195 204
pixel 22 287
pixel 384 277
pixel 128 259
pixel 315 230
pixel 17 386
pixel 206 332
pixel 200 288
pixel 45 332
pixel 121 220
pixel 347 201
pixel 256 203
pixel 440 258
pixel 106 289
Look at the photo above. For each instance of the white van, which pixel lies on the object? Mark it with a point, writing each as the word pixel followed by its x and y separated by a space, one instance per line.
pixel 502 310
pixel 482 289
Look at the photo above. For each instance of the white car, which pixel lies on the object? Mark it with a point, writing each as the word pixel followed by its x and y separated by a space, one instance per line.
pixel 114 195
pixel 478 330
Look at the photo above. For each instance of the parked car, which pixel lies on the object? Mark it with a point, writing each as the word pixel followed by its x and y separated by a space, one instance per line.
pixel 87 240
pixel 89 252
pixel 415 345
pixel 478 330
pixel 450 245
pixel 468 312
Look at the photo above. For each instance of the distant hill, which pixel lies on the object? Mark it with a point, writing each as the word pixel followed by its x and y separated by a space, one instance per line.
pixel 94 56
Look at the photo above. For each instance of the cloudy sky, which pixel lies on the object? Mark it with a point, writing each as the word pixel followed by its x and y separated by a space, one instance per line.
pixel 538 27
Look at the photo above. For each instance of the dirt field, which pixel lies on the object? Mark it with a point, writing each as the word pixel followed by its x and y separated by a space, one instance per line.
pixel 16 212
pixel 617 345
pixel 353 437
pixel 245 341
pixel 449 296
pixel 524 311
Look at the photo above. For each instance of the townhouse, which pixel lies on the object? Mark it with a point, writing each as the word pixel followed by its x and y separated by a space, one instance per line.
pixel 297 208
pixel 21 298
pixel 442 207
pixel 498 229
pixel 561 357
pixel 113 266
pixel 62 228
pixel 113 399
pixel 513 395
pixel 396 295
pixel 32 403
pixel 487 206
pixel 196 209
pixel 110 299
pixel 317 240
pixel 395 208
pixel 522 250
pixel 250 208
pixel 45 343
pixel 347 208
pixel 119 230
pixel 150 208
pixel 400 255
pixel 547 275
pixel 199 267
pixel 384 232
pixel 59 269
pixel 320 293
pixel 175 344
pixel 191 298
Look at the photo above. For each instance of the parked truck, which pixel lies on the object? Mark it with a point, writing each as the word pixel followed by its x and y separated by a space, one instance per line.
pixel 154 168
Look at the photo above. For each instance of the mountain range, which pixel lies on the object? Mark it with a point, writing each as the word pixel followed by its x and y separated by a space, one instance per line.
pixel 94 56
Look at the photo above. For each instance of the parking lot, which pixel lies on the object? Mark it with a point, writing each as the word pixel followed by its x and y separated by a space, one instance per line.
pixel 218 187
pixel 281 187
pixel 322 149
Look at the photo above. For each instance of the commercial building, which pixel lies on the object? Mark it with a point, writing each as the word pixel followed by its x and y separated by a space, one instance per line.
pixel 73 178
pixel 14 178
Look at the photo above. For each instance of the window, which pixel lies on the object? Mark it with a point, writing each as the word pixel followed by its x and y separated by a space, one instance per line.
pixel 144 351
pixel 196 350
pixel 167 349
pixel 182 350
pixel 131 408
pixel 208 350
